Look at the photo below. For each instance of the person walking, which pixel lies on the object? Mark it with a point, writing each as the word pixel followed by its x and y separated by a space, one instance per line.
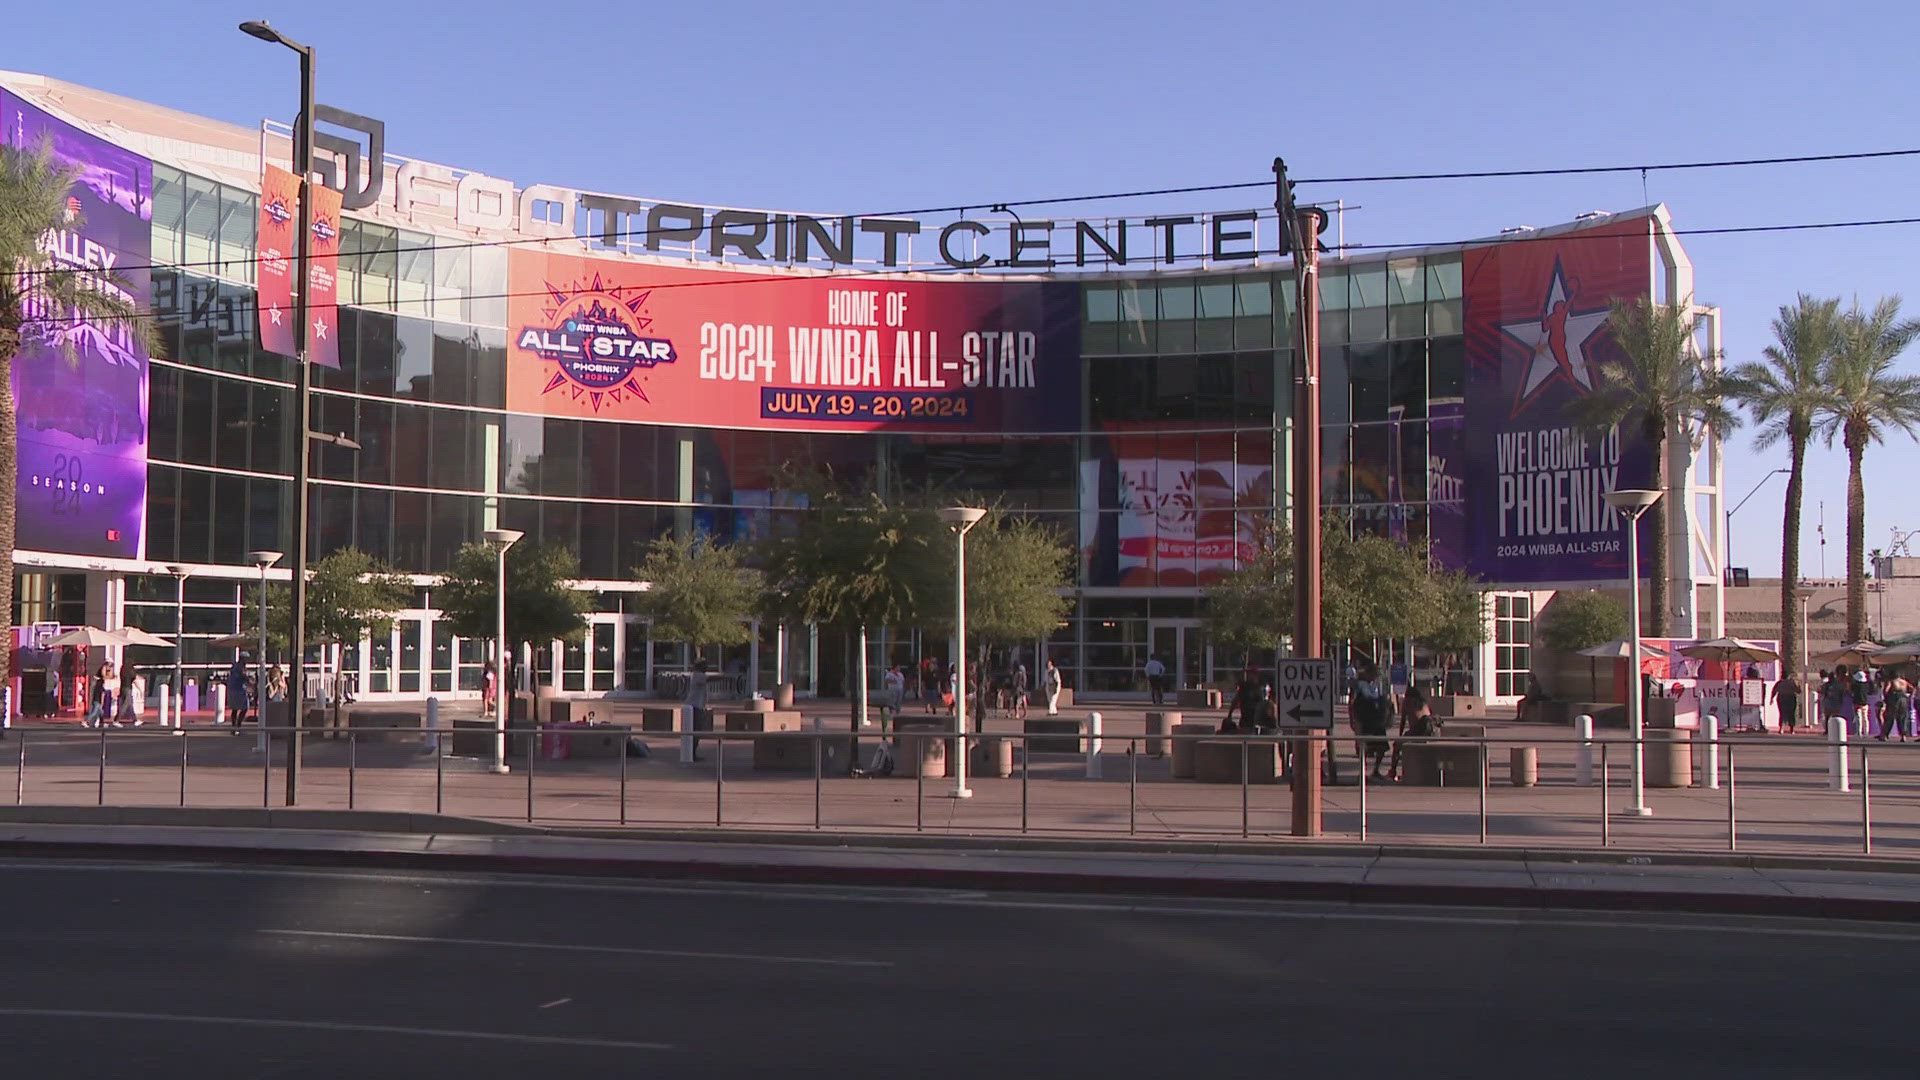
pixel 1367 714
pixel 133 700
pixel 237 693
pixel 893 693
pixel 1156 673
pixel 1860 710
pixel 489 689
pixel 1896 708
pixel 1786 698
pixel 1050 685
pixel 1022 690
pixel 1416 722
pixel 101 696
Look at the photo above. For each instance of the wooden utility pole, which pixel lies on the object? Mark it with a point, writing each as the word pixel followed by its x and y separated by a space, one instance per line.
pixel 1301 226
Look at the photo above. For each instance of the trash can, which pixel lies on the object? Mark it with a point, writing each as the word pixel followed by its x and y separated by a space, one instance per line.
pixel 1524 763
pixel 993 756
pixel 1669 759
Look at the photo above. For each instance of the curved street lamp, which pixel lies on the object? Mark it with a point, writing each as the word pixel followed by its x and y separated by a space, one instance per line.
pixel 1634 502
pixel 960 519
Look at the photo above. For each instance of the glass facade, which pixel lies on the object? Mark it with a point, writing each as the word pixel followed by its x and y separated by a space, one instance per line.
pixel 1178 460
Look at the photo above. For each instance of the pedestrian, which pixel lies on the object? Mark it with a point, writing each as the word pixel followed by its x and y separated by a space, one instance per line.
pixel 133 700
pixel 697 719
pixel 1156 673
pixel 1022 690
pixel 1367 714
pixel 1416 722
pixel 489 689
pixel 1896 708
pixel 1786 697
pixel 1860 704
pixel 930 684
pixel 893 692
pixel 1246 703
pixel 1050 684
pixel 951 689
pixel 237 692
pixel 101 695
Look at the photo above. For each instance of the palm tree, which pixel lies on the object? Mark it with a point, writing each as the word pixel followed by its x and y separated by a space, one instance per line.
pixel 1785 396
pixel 1658 380
pixel 1867 399
pixel 34 187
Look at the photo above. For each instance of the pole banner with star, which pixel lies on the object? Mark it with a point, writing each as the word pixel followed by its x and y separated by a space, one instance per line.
pixel 80 385
pixel 323 274
pixel 279 207
pixel 621 340
pixel 1536 482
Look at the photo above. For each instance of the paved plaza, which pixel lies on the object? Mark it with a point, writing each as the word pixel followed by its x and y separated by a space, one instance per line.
pixel 1779 796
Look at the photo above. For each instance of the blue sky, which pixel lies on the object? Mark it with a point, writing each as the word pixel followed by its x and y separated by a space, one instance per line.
pixel 869 106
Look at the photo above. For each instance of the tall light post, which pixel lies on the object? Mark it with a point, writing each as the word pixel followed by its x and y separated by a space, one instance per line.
pixel 501 539
pixel 1634 502
pixel 1726 566
pixel 1803 591
pixel 263 560
pixel 960 519
pixel 303 168
pixel 179 643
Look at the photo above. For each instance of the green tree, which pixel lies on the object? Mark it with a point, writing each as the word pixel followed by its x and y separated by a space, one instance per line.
pixel 542 604
pixel 1658 380
pixel 1581 619
pixel 34 187
pixel 1868 398
pixel 1016 569
pixel 350 595
pixel 1458 622
pixel 1785 395
pixel 698 591
pixel 1250 609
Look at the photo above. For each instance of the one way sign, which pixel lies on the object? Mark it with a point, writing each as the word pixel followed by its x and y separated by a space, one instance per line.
pixel 1303 693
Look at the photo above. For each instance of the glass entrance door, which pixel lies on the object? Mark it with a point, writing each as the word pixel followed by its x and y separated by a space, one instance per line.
pixel 1182 646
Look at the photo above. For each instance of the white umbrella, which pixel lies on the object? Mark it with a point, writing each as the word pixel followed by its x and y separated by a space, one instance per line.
pixel 1729 649
pixel 133 635
pixel 1617 649
pixel 1857 654
pixel 90 636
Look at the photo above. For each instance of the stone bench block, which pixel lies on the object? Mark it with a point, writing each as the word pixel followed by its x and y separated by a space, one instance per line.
pixel 1197 698
pixel 1217 761
pixel 753 720
pixel 1183 748
pixel 1054 735
pixel 1441 764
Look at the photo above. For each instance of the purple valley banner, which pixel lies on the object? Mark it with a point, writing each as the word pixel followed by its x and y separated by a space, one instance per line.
pixel 82 387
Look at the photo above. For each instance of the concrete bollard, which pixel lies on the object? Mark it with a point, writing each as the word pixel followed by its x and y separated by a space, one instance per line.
pixel 6 709
pixel 166 706
pixel 684 722
pixel 1837 777
pixel 1523 764
pixel 1709 735
pixel 1093 746
pixel 1583 753
pixel 220 703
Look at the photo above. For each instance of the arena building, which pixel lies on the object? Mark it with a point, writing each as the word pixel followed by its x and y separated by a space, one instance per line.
pixel 600 370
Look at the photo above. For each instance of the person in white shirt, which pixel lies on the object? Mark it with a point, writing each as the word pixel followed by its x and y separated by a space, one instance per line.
pixel 1157 680
pixel 1050 684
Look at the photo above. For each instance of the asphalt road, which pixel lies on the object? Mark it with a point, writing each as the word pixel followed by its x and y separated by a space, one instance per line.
pixel 114 970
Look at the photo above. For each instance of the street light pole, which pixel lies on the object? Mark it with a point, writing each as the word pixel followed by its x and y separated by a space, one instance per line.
pixel 262 559
pixel 960 519
pixel 1633 503
pixel 1726 539
pixel 501 539
pixel 303 167
pixel 179 642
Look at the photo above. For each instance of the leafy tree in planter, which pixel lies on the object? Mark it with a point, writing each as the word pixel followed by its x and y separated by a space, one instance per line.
pixel 698 592
pixel 350 595
pixel 542 604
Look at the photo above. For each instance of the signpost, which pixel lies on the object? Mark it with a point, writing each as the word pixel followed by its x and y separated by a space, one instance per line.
pixel 1303 693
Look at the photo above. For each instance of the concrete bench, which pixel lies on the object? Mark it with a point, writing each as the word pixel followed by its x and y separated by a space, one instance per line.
pixel 1446 706
pixel 583 742
pixel 1441 764
pixel 384 725
pixel 793 752
pixel 1053 735
pixel 919 751
pixel 760 720
pixel 1197 698
pixel 1217 761
pixel 660 718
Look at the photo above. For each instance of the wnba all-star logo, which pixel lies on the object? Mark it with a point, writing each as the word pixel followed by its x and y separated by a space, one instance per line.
pixel 595 336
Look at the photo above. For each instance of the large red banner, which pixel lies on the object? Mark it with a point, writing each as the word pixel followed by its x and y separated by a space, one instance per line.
pixel 616 339
pixel 323 274
pixel 279 206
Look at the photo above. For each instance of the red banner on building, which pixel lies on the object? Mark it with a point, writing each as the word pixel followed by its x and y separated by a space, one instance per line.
pixel 323 278
pixel 617 339
pixel 279 206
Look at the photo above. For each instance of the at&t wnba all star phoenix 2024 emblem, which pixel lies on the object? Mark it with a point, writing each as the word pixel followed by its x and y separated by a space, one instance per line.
pixel 1558 340
pixel 595 335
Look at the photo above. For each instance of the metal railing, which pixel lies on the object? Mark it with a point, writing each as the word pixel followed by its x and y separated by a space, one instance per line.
pixel 1794 781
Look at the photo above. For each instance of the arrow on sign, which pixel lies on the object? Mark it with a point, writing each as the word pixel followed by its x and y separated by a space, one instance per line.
pixel 1299 711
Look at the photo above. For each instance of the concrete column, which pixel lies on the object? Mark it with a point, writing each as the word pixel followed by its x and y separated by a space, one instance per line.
pixel 1093 746
pixel 1583 753
pixel 1709 735
pixel 1837 777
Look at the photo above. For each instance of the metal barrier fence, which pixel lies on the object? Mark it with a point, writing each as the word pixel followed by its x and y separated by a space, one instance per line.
pixel 1820 790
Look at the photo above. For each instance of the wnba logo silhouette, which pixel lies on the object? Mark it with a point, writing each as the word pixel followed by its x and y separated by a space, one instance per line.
pixel 1559 340
pixel 595 336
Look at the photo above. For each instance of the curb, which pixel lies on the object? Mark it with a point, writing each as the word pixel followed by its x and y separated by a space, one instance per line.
pixel 1043 882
